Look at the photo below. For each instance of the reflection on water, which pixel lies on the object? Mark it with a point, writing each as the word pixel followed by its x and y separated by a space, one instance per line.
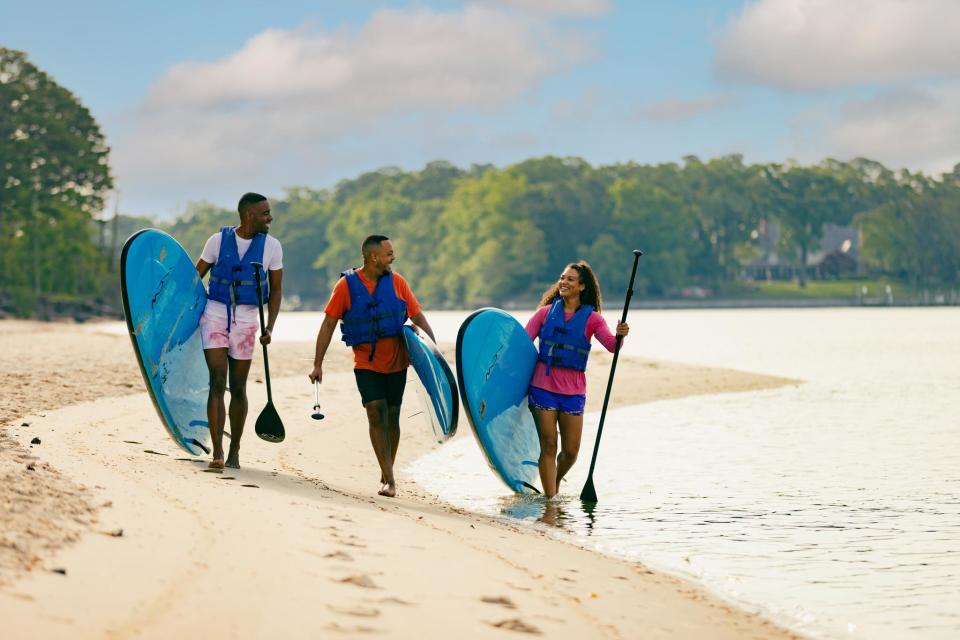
pixel 564 512
pixel 834 505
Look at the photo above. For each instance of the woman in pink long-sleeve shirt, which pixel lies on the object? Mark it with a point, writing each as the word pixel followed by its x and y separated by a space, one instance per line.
pixel 558 388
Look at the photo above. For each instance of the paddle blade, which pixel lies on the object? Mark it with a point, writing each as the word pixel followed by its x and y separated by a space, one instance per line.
pixel 269 426
pixel 589 494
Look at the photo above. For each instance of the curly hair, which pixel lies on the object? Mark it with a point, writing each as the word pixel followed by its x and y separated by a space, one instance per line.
pixel 591 290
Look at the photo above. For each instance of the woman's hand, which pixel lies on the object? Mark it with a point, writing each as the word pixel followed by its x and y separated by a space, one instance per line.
pixel 622 329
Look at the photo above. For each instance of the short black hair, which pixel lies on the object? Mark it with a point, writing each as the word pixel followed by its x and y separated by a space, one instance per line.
pixel 248 199
pixel 370 242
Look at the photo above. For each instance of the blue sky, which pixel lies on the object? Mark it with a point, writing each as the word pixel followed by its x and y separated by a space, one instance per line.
pixel 206 100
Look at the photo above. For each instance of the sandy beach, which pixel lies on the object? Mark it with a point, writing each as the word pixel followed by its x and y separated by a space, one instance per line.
pixel 108 530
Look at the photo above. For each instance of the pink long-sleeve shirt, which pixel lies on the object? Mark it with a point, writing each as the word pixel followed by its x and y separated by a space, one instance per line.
pixel 561 379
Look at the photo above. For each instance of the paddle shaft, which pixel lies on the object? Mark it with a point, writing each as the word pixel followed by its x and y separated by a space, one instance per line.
pixel 589 493
pixel 263 329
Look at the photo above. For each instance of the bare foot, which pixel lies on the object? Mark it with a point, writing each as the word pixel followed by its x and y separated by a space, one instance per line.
pixel 388 489
pixel 216 463
pixel 233 461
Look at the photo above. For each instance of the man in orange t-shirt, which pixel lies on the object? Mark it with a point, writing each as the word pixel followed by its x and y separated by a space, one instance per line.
pixel 372 314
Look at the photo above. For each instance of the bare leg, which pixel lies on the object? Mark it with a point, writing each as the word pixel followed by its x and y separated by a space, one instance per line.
pixel 393 422
pixel 239 369
pixel 547 428
pixel 216 411
pixel 381 441
pixel 571 428
pixel 393 417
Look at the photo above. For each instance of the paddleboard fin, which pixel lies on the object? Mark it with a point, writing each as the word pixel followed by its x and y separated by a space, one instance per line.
pixel 529 486
pixel 197 443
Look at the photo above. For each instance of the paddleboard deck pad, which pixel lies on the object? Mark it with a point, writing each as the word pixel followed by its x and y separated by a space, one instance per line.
pixel 437 384
pixel 495 362
pixel 163 299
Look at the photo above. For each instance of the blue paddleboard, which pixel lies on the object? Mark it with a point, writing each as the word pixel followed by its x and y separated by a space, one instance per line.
pixel 442 403
pixel 495 362
pixel 163 299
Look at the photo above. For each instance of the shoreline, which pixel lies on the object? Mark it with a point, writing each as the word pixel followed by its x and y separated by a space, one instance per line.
pixel 512 577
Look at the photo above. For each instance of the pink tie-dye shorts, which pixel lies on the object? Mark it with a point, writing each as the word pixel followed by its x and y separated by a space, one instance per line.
pixel 239 341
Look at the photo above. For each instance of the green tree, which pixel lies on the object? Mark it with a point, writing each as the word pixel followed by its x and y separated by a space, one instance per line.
pixel 488 254
pixel 804 200
pixel 198 222
pixel 647 217
pixel 914 234
pixel 568 201
pixel 53 179
pixel 721 195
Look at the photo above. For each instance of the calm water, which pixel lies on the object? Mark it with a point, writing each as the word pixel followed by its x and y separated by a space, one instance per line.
pixel 833 506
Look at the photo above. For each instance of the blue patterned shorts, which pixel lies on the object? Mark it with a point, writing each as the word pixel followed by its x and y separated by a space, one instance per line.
pixel 539 398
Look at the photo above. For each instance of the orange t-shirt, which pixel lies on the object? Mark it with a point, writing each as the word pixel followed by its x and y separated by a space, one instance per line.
pixel 391 354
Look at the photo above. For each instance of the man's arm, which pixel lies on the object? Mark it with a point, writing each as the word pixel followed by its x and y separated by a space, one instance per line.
pixel 202 267
pixel 273 304
pixel 323 341
pixel 421 321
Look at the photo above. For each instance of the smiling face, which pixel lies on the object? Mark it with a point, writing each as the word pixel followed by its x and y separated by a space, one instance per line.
pixel 570 286
pixel 259 216
pixel 382 257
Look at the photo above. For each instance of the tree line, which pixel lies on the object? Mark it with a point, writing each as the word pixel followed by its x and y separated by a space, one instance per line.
pixel 488 235
pixel 473 236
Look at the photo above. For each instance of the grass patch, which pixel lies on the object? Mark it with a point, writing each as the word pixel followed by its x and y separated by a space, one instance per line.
pixel 823 289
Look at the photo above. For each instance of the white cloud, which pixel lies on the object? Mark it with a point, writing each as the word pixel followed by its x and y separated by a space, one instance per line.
pixel 684 110
pixel 296 93
pixel 820 44
pixel 560 7
pixel 916 128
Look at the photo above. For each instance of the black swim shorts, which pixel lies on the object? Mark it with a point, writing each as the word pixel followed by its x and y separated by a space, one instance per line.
pixel 381 386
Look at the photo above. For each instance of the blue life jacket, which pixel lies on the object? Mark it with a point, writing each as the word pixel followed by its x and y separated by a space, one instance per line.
pixel 232 280
pixel 370 318
pixel 563 343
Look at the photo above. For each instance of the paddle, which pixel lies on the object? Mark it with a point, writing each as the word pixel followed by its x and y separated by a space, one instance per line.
pixel 269 426
pixel 589 494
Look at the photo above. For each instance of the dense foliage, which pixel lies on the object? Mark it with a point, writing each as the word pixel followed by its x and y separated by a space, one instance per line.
pixel 491 235
pixel 53 178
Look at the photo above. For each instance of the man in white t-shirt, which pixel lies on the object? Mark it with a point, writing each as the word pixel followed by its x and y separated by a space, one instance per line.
pixel 231 318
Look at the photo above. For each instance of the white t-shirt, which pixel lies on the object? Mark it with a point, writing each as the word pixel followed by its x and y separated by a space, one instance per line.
pixel 272 261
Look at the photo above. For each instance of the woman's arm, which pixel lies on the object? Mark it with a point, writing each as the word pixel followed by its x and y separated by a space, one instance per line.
pixel 536 322
pixel 597 327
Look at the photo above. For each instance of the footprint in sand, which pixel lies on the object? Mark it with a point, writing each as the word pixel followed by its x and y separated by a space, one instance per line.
pixel 338 555
pixel 360 612
pixel 393 600
pixel 212 470
pixel 515 624
pixel 252 486
pixel 359 581
pixel 156 453
pixel 226 478
pixel 348 541
pixel 333 626
pixel 501 600
pixel 132 442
